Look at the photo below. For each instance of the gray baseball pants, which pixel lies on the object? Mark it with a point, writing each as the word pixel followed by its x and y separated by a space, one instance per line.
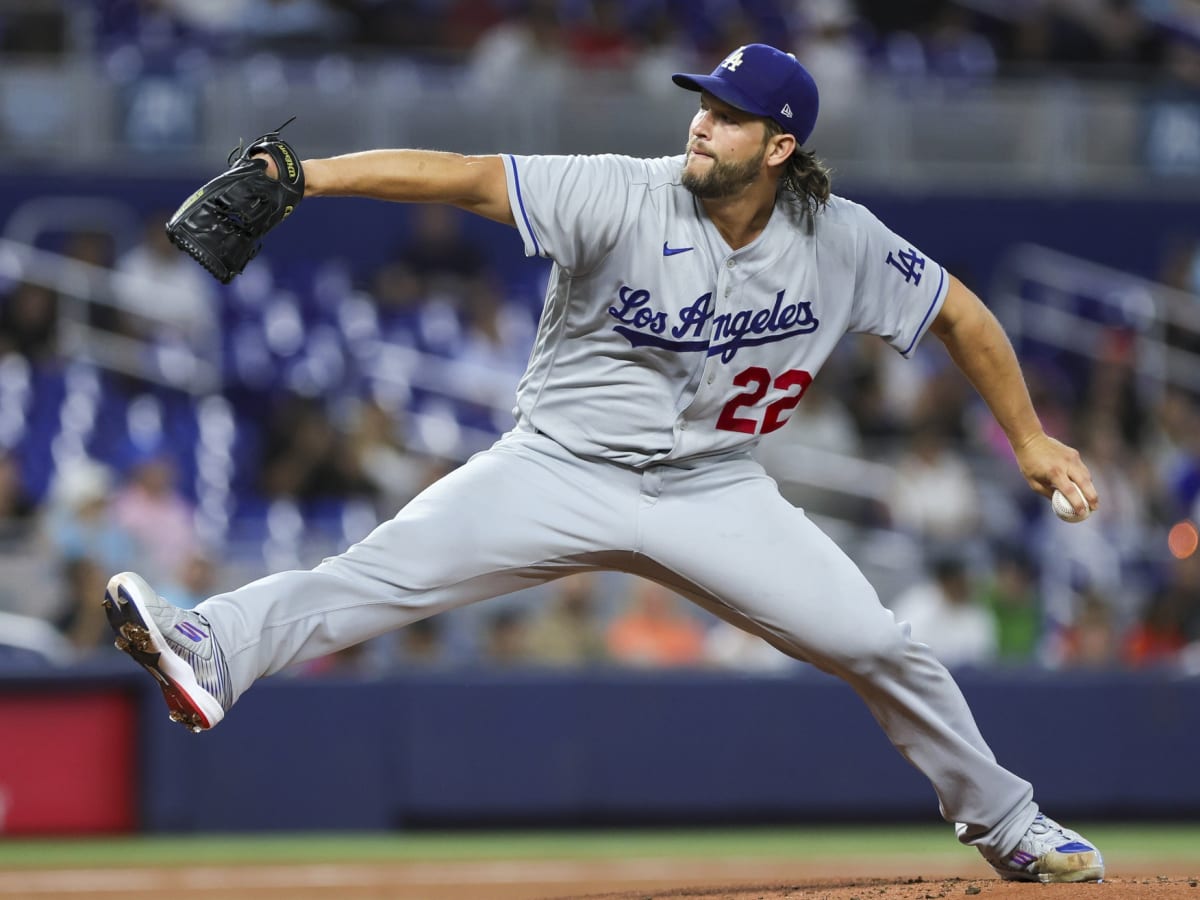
pixel 716 530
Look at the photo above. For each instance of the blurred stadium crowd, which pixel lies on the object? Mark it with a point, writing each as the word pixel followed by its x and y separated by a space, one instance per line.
pixel 974 37
pixel 317 421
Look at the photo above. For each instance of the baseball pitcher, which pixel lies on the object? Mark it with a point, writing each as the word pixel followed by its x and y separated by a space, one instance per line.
pixel 691 301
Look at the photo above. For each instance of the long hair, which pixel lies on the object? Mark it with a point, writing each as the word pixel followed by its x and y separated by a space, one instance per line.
pixel 805 175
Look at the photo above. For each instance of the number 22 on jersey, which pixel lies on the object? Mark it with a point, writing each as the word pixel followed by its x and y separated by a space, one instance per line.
pixel 793 382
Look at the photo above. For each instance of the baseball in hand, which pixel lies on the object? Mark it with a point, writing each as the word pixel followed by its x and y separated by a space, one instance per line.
pixel 1063 508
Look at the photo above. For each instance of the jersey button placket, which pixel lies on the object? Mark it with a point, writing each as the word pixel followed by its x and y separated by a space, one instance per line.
pixel 726 279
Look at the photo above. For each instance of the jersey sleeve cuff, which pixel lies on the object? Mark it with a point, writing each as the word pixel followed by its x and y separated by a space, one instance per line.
pixel 939 297
pixel 517 201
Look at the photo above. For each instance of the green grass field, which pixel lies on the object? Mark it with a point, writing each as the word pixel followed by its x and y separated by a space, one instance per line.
pixel 1130 844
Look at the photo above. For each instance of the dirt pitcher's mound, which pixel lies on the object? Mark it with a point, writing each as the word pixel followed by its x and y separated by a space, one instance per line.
pixel 1160 887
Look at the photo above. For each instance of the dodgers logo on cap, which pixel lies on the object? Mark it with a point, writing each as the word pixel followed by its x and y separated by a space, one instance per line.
pixel 762 80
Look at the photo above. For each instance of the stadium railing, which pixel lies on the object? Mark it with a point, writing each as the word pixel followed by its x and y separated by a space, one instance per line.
pixel 1074 307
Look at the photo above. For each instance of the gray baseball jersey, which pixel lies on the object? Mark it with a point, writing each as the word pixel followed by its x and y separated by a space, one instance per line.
pixel 662 356
pixel 658 342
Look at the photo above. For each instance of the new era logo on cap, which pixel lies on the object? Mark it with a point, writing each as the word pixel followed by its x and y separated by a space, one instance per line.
pixel 767 82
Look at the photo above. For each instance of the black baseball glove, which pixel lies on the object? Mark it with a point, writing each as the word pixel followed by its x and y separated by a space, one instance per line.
pixel 221 225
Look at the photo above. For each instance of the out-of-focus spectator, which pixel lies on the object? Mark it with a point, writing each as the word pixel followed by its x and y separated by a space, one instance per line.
pixel 193 582
pixel 820 422
pixel 421 644
pixel 1114 395
pixel 352 662
pixel 492 356
pixel 600 38
pixel 412 28
pixel 653 630
pixel 467 21
pixel 943 613
pixel 306 458
pixel 935 495
pixel 886 17
pixel 1158 636
pixel 397 294
pixel 29 322
pixel 567 631
pixel 97 251
pixel 276 22
pixel 1172 449
pixel 1181 270
pixel 433 276
pixel 1172 115
pixel 663 49
pixel 728 25
pixel 150 507
pixel 943 399
pixel 81 618
pixel 1011 596
pixel 525 49
pixel 1073 558
pixel 955 49
pixel 95 247
pixel 876 419
pixel 1100 554
pixel 238 23
pixel 441 257
pixel 214 16
pixel 395 473
pixel 168 286
pixel 506 638
pixel 16 507
pixel 729 647
pixel 898 392
pixel 1087 33
pixel 830 48
pixel 1126 487
pixel 1092 639
pixel 79 521
pixel 1171 618
pixel 150 29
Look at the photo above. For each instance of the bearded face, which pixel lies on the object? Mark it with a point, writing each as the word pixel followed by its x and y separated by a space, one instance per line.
pixel 722 178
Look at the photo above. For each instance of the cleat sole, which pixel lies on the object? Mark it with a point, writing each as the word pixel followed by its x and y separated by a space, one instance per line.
pixel 135 640
pixel 1095 873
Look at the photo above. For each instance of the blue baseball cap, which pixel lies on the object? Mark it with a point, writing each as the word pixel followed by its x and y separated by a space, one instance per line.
pixel 766 82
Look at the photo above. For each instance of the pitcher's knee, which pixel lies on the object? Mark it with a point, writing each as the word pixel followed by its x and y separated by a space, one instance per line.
pixel 870 651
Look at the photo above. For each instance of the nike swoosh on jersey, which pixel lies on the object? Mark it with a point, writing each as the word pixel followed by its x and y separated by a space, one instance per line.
pixel 671 251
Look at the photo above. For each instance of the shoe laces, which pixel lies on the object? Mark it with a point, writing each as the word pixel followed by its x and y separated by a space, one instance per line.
pixel 1042 825
pixel 1046 834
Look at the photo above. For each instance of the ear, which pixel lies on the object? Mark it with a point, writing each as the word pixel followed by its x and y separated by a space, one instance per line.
pixel 780 148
